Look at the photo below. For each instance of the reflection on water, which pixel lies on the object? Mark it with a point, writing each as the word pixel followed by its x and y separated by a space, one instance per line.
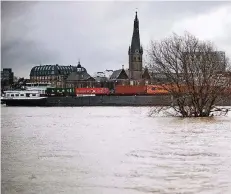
pixel 110 150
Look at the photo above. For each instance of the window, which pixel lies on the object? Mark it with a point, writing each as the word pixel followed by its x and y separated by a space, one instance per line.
pixel 12 95
pixel 16 94
pixel 33 94
pixel 21 94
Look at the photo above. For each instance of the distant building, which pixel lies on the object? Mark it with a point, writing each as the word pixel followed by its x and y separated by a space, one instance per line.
pixel 221 60
pixel 54 74
pixel 20 83
pixel 100 77
pixel 119 74
pixel 136 73
pixel 79 78
pixel 7 78
pixel 108 73
pixel 103 75
pixel 218 55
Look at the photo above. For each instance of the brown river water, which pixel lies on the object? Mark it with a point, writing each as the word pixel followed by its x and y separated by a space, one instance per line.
pixel 111 150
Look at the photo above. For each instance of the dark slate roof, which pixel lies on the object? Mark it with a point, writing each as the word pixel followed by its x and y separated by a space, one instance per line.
pixel 78 76
pixel 127 71
pixel 79 66
pixel 117 73
pixel 145 71
pixel 146 74
pixel 47 70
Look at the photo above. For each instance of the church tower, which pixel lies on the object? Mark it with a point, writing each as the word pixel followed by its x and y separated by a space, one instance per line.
pixel 135 53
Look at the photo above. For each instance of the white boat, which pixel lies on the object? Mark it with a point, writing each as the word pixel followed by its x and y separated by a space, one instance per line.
pixel 40 87
pixel 23 98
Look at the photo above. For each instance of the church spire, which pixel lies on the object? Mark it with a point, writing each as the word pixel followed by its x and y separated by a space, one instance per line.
pixel 135 44
pixel 135 53
pixel 136 21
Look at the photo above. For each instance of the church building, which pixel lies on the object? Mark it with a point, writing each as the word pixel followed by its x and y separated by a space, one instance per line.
pixel 135 53
pixel 135 59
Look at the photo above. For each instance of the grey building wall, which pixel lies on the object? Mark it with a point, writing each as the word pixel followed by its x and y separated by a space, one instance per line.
pixel 7 78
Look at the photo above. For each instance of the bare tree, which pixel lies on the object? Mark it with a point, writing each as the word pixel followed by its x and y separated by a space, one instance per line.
pixel 197 74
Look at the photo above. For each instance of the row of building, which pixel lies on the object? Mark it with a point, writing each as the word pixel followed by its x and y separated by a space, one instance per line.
pixel 77 75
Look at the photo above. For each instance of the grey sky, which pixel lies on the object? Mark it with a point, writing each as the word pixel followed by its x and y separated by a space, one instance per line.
pixel 99 33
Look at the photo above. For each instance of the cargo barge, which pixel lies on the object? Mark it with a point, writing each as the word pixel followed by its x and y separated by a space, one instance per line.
pixel 70 101
pixel 109 101
pixel 120 96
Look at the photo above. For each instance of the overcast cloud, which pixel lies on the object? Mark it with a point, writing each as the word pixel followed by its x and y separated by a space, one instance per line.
pixel 99 33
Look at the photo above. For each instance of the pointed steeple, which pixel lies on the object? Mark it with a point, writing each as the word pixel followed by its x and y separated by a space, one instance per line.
pixel 136 21
pixel 135 53
pixel 135 44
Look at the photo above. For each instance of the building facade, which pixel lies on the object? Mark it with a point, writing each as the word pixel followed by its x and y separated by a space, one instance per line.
pixel 7 78
pixel 53 74
pixel 215 59
pixel 136 74
pixel 79 78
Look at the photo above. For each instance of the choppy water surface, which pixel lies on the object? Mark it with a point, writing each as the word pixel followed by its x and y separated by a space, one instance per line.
pixel 113 150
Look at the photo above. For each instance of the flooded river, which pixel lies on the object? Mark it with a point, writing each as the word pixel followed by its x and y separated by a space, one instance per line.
pixel 111 150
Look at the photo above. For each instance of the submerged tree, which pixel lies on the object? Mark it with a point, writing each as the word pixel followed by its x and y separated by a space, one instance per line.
pixel 196 75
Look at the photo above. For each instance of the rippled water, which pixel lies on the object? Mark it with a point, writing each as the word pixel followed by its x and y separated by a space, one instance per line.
pixel 113 150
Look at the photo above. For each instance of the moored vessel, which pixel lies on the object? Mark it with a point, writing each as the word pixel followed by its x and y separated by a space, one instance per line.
pixel 23 98
pixel 41 88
